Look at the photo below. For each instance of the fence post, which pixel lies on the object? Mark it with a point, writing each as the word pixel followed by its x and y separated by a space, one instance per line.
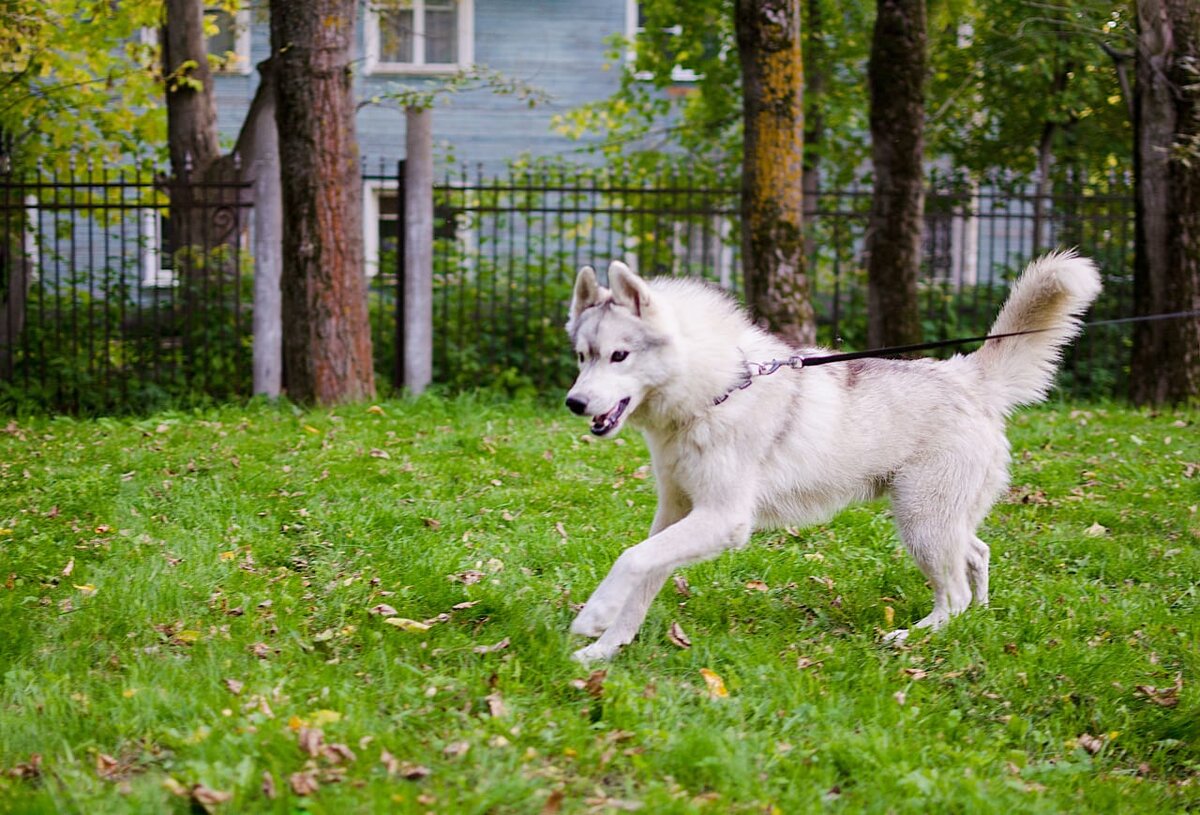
pixel 417 229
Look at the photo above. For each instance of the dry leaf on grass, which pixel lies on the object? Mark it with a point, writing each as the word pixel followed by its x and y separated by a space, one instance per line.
pixel 268 786
pixel 681 586
pixel 207 796
pixel 337 753
pixel 311 740
pixel 456 748
pixel 405 624
pixel 466 605
pixel 1163 697
pixel 383 610
pixel 593 686
pixel 757 585
pixel 1090 743
pixel 675 635
pixel 491 649
pixel 714 683
pixel 495 704
pixel 234 686
pixel 304 783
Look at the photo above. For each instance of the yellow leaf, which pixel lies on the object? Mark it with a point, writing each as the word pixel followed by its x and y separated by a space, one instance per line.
pixel 295 723
pixel 324 717
pixel 4 530
pixel 230 555
pixel 406 624
pixel 310 429
pixel 188 635
pixel 889 616
pixel 377 410
pixel 129 693
pixel 716 685
pixel 87 588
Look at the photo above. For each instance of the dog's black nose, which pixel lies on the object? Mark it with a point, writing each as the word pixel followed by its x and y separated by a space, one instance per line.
pixel 576 405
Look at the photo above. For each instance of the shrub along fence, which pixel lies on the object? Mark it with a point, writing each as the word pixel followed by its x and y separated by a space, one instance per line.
pixel 119 290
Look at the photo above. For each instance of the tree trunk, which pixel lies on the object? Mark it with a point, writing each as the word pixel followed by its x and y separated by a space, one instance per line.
pixel 896 76
pixel 327 339
pixel 1165 365
pixel 815 67
pixel 777 285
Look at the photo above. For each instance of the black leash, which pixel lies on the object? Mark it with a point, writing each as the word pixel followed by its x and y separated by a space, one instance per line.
pixel 755 369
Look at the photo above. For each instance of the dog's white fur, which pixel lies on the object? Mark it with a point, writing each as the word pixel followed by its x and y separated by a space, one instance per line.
pixel 795 447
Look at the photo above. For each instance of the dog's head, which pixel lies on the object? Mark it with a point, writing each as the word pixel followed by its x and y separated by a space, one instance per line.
pixel 618 337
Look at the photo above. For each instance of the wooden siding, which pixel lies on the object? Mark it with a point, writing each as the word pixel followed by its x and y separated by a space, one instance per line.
pixel 556 45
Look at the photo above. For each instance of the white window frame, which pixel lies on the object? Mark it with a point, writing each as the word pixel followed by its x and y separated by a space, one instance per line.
pixel 466 41
pixel 242 63
pixel 375 189
pixel 632 29
pixel 154 276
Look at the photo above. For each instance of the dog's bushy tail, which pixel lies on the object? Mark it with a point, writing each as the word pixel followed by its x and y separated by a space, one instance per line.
pixel 1048 297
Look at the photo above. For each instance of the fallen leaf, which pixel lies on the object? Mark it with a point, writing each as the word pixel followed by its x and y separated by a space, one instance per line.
pixel 553 803
pixel 461 606
pixel 468 577
pixel 414 772
pixel 207 796
pixel 377 453
pixel 804 663
pixel 390 763
pixel 681 586
pixel 714 683
pixel 324 717
pixel 491 649
pixel 87 589
pixel 70 567
pixel 384 610
pixel 268 786
pixel 304 783
pixel 1163 697
pixel 377 410
pixel 456 748
pixel 311 740
pixel 260 650
pixel 915 673
pixel 105 765
pixel 593 685
pixel 889 617
pixel 757 585
pixel 1090 743
pixel 900 697
pixel 432 523
pixel 560 529
pixel 495 705
pixel 1096 531
pixel 175 788
pixel 405 624
pixel 235 686
pixel 337 753
pixel 675 635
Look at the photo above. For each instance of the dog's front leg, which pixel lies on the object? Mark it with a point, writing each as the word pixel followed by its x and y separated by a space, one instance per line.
pixel 641 570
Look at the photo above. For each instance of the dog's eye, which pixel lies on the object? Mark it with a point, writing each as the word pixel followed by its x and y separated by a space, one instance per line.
pixel 619 356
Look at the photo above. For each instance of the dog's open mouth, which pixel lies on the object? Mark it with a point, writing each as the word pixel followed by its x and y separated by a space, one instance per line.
pixel 605 422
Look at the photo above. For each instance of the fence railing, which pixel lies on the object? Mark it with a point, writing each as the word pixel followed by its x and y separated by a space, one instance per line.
pixel 507 249
pixel 118 288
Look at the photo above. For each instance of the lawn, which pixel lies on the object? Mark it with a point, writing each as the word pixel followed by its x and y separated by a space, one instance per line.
pixel 366 610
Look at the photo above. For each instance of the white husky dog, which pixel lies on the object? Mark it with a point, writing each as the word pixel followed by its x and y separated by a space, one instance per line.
pixel 672 357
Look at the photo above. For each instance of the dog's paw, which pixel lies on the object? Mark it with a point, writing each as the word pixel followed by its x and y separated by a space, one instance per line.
pixel 897 637
pixel 593 620
pixel 596 652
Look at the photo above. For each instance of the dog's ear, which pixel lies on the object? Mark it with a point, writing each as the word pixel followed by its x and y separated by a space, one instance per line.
pixel 628 289
pixel 587 294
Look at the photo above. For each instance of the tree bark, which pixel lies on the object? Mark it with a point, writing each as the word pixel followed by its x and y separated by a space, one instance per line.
pixel 1165 366
pixel 777 285
pixel 191 110
pixel 896 76
pixel 327 340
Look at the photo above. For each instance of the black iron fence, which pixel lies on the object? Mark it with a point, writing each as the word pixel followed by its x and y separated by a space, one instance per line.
pixel 120 288
pixel 507 249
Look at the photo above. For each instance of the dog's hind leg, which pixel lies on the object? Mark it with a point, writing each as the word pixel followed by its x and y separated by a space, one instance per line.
pixel 977 569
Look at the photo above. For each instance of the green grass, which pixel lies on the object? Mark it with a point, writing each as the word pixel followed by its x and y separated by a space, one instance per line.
pixel 210 536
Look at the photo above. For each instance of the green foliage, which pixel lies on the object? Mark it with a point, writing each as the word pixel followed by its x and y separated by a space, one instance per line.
pixel 181 593
pixel 77 77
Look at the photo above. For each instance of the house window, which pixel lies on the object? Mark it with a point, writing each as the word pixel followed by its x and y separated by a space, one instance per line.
pixel 419 36
pixel 230 42
pixel 639 35
pixel 158 250
pixel 381 229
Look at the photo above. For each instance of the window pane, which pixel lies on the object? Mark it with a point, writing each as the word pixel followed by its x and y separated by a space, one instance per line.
pixel 396 35
pixel 441 31
pixel 225 40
